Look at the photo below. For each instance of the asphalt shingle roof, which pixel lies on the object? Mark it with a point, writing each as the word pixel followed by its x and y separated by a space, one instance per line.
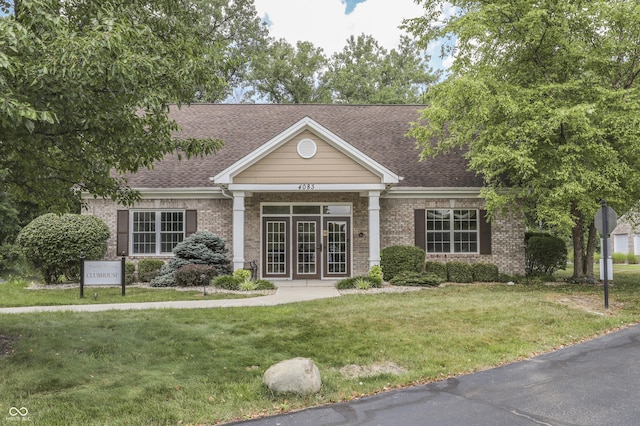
pixel 376 130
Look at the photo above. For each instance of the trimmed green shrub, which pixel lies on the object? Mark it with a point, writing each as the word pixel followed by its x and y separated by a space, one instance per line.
pixel 437 268
pixel 396 259
pixel 148 269
pixel 632 259
pixel 226 282
pixel 346 283
pixel 129 273
pixel 353 282
pixel 545 254
pixel 484 272
pixel 265 285
pixel 53 243
pixel 192 275
pixel 459 272
pixel 618 257
pixel 421 279
pixel 200 248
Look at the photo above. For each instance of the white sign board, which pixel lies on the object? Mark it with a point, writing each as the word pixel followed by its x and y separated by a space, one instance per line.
pixel 102 272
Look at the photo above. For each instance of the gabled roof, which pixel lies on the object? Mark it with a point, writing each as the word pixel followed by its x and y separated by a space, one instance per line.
pixel 376 131
pixel 387 176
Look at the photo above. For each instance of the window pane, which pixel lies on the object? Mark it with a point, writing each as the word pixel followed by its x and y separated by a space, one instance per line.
pixel 172 230
pixel 337 210
pixel 144 232
pixel 306 209
pixel 438 242
pixel 276 210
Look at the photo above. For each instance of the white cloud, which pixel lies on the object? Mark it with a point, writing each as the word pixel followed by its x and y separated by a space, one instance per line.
pixel 325 24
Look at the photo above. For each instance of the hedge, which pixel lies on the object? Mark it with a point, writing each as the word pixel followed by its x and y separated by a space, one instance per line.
pixel 396 259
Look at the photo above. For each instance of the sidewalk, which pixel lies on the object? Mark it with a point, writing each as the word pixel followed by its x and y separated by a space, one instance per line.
pixel 287 292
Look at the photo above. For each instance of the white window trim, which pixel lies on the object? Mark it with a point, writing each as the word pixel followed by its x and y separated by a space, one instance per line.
pixel 452 232
pixel 158 216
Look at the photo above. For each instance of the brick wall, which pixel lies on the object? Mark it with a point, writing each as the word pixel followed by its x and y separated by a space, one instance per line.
pixel 507 231
pixel 396 221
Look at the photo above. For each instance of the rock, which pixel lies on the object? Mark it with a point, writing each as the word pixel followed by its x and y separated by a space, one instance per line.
pixel 298 375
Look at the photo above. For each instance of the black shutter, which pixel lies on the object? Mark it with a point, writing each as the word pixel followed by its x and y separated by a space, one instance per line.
pixel 420 231
pixel 485 232
pixel 122 233
pixel 190 222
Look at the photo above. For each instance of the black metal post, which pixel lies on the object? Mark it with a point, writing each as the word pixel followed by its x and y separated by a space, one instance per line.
pixel 605 251
pixel 122 274
pixel 81 275
pixel 203 278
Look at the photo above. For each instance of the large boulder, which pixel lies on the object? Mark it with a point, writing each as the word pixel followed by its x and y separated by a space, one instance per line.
pixel 298 375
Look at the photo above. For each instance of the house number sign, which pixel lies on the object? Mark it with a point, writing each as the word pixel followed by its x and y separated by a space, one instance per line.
pixel 306 187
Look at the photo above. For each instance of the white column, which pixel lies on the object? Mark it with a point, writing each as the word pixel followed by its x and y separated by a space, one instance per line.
pixel 238 230
pixel 374 228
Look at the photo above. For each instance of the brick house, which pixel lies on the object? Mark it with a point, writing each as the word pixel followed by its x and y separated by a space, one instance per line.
pixel 311 192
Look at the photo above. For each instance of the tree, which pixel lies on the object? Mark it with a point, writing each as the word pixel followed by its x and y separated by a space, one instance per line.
pixel 287 74
pixel 365 72
pixel 85 89
pixel 544 96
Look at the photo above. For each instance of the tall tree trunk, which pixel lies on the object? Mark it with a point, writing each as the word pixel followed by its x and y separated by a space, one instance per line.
pixel 591 249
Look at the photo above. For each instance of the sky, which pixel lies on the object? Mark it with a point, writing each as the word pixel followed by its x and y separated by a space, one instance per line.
pixel 329 23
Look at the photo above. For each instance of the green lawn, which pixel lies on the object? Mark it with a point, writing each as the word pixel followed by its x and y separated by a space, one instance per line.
pixel 170 367
pixel 16 293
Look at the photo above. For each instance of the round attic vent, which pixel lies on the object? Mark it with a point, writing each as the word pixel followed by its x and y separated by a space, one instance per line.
pixel 307 148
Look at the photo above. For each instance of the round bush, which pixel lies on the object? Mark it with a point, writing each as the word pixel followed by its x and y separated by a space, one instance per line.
pixel 437 268
pixel 459 272
pixel 484 272
pixel 148 269
pixel 396 259
pixel 53 243
pixel 545 254
pixel 194 275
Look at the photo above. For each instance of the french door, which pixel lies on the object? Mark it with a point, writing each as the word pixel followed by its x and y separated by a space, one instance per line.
pixel 305 247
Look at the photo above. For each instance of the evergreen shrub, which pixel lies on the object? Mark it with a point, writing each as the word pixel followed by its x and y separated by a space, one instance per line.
pixel 545 254
pixel 632 259
pixel 484 272
pixel 129 273
pixel 53 243
pixel 396 259
pixel 618 258
pixel 148 269
pixel 437 268
pixel 421 279
pixel 459 272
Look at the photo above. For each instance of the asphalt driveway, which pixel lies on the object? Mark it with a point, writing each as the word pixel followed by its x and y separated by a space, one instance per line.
pixel 593 383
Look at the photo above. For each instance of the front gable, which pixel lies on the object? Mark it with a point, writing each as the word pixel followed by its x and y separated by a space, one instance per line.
pixel 306 154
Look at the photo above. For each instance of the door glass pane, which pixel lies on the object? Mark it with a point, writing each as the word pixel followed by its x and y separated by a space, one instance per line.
pixel 306 209
pixel 337 210
pixel 306 234
pixel 336 247
pixel 276 210
pixel 276 247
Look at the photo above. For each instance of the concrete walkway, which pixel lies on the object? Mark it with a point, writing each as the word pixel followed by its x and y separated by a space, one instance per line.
pixel 287 292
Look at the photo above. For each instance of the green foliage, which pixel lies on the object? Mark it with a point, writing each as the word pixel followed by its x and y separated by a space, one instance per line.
pixel 10 256
pixel 248 285
pixel 242 274
pixel 148 269
pixel 396 259
pixel 130 273
pixel 53 243
pixel 354 282
pixel 437 268
pixel 619 257
pixel 421 279
pixel 86 88
pixel 459 272
pixel 484 272
pixel 265 285
pixel 194 275
pixel 547 107
pixel 200 248
pixel 545 254
pixel 375 274
pixel 632 259
pixel 226 282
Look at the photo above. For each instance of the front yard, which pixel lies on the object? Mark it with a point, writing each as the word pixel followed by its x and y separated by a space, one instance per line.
pixel 205 366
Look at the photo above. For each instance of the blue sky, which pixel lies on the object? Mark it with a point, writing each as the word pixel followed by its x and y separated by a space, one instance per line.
pixel 328 23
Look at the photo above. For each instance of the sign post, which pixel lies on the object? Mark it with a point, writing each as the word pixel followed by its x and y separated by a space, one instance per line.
pixel 605 221
pixel 102 273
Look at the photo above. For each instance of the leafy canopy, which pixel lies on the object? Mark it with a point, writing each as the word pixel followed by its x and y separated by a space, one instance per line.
pixel 544 95
pixel 85 88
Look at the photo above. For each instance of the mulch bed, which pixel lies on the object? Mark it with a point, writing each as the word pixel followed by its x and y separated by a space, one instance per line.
pixel 6 347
